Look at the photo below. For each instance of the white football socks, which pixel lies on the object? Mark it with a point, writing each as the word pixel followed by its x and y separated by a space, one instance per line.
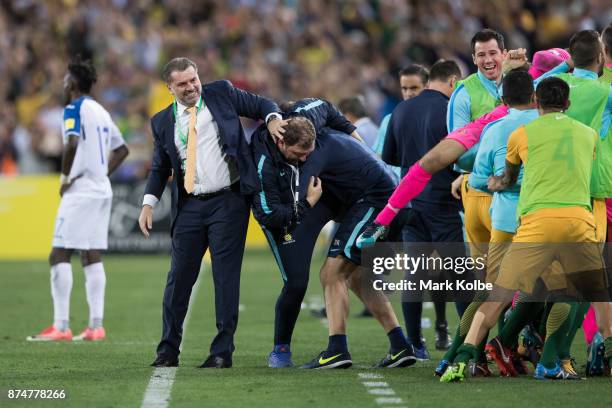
pixel 95 283
pixel 61 286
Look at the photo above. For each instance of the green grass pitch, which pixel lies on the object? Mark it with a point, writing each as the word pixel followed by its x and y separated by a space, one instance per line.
pixel 115 372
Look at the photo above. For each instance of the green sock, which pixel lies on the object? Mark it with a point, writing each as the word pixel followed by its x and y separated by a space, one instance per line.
pixel 557 327
pixel 579 310
pixel 520 316
pixel 466 353
pixel 462 330
pixel 544 318
pixel 451 353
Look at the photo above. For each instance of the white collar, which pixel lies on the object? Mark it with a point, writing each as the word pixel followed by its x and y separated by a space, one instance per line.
pixel 180 108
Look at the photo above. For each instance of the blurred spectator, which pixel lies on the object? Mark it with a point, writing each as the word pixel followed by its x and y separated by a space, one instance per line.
pixel 8 150
pixel 355 111
pixel 285 49
pixel 413 79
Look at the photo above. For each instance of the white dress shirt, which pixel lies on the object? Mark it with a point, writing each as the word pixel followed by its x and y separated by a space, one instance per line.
pixel 215 170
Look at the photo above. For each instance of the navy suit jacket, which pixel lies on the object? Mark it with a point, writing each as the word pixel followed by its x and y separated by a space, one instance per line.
pixel 226 103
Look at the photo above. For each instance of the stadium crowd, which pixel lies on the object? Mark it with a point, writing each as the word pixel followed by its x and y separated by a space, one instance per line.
pixel 275 48
pixel 530 143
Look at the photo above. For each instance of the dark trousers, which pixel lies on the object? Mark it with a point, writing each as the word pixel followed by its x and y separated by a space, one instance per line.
pixel 293 253
pixel 433 226
pixel 219 223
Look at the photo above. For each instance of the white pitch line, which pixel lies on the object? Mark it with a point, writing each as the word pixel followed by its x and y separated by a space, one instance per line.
pixel 388 400
pixel 157 394
pixel 381 388
pixel 375 384
pixel 381 391
pixel 370 375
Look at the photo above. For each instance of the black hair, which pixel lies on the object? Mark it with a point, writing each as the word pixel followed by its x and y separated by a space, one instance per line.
pixel 585 48
pixel 606 38
pixel 353 106
pixel 176 64
pixel 552 93
pixel 415 69
pixel 286 106
pixel 517 87
pixel 83 74
pixel 443 70
pixel 487 35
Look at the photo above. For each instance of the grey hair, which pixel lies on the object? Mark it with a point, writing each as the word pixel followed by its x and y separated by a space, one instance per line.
pixel 176 64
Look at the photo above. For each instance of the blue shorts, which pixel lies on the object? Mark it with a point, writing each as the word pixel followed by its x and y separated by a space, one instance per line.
pixel 352 223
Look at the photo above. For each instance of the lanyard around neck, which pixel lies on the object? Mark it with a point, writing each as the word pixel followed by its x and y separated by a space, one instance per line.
pixel 182 135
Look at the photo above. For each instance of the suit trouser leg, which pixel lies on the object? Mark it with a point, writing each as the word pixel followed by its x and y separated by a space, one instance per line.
pixel 227 228
pixel 189 242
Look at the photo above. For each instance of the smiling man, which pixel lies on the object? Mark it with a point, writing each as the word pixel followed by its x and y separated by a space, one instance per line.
pixel 479 93
pixel 476 95
pixel 200 141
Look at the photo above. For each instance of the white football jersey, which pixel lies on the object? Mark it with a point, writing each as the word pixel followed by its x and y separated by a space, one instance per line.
pixel 98 136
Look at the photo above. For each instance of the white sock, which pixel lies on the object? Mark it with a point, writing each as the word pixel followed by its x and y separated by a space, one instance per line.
pixel 95 283
pixel 61 286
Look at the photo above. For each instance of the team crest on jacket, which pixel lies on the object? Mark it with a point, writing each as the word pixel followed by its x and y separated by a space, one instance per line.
pixel 288 238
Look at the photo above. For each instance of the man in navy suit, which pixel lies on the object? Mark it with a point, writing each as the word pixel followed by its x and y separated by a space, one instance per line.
pixel 200 142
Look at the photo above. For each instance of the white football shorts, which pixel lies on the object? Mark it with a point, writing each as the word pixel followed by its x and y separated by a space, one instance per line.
pixel 82 222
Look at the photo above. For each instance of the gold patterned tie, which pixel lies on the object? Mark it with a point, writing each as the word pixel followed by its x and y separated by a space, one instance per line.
pixel 190 168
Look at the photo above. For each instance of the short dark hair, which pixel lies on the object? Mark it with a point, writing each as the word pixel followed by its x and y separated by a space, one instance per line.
pixel 176 64
pixel 517 87
pixel 487 35
pixel 299 131
pixel 286 106
pixel 354 106
pixel 443 70
pixel 606 38
pixel 552 92
pixel 83 73
pixel 415 69
pixel 585 48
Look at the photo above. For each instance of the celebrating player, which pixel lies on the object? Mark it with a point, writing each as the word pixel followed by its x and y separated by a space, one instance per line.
pixel 551 209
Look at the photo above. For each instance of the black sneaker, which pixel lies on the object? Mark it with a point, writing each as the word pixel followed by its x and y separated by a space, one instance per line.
pixel 403 358
pixel 329 360
pixel 443 339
